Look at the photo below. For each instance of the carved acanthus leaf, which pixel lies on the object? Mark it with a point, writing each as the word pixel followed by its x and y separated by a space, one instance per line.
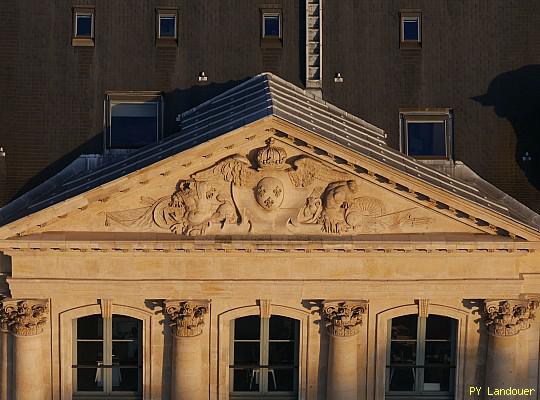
pixel 24 317
pixel 509 317
pixel 186 317
pixel 344 318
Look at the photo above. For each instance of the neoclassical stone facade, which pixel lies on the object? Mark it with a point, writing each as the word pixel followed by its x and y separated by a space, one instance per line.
pixel 269 260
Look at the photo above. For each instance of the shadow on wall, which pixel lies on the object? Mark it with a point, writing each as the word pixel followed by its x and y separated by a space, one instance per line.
pixel 516 97
pixel 176 102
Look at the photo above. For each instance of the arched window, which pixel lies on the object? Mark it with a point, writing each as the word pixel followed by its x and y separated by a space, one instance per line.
pixel 421 357
pixel 264 357
pixel 107 356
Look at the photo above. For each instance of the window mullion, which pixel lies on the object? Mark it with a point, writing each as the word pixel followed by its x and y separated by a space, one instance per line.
pixel 420 353
pixel 107 355
pixel 265 344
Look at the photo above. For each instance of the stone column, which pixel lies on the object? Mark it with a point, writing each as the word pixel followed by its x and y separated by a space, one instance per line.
pixel 187 322
pixel 505 319
pixel 4 354
pixel 26 320
pixel 343 320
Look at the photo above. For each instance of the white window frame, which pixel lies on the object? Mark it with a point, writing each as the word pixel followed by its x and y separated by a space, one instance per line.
pixel 465 325
pixel 307 332
pixel 168 14
pixel 405 16
pixel 271 14
pixel 420 355
pixel 444 116
pixel 113 98
pixel 80 40
pixel 264 348
pixel 107 341
pixel 67 340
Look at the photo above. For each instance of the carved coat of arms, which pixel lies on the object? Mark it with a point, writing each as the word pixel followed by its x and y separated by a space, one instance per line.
pixel 269 194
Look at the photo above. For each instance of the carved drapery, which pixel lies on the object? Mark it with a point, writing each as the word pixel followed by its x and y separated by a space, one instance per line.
pixel 24 317
pixel 509 317
pixel 344 318
pixel 186 318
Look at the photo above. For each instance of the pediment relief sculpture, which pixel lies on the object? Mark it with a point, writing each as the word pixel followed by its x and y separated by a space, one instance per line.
pixel 269 192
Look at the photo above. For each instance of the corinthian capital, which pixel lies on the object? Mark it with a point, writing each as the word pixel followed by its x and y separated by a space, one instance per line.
pixel 24 317
pixel 186 317
pixel 509 317
pixel 344 318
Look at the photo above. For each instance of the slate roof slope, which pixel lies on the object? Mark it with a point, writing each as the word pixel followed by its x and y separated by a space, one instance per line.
pixel 261 96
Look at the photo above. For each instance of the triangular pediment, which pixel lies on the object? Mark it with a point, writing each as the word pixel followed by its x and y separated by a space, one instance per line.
pixel 269 178
pixel 278 163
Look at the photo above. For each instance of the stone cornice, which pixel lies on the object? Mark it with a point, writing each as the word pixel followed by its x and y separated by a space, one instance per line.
pixel 376 244
pixel 23 317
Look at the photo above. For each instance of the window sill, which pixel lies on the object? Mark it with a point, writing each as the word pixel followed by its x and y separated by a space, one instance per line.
pixel 412 44
pixel 271 43
pixel 82 42
pixel 166 42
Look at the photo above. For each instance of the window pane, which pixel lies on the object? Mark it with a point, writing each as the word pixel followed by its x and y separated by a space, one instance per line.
pixel 90 327
pixel 247 328
pixel 439 327
pixel 125 328
pixel 410 29
pixel 281 353
pixel 89 379
pixel 246 379
pixel 89 353
pixel 125 379
pixel 271 25
pixel 281 379
pixel 133 124
pixel 403 352
pixel 282 328
pixel 404 327
pixel 167 26
pixel 84 25
pixel 438 352
pixel 246 353
pixel 402 378
pixel 437 379
pixel 126 353
pixel 426 138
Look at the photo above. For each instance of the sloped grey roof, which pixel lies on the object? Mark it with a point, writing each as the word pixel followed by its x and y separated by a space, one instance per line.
pixel 257 98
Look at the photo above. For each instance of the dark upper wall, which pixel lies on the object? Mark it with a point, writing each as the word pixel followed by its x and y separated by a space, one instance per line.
pixel 466 46
pixel 51 108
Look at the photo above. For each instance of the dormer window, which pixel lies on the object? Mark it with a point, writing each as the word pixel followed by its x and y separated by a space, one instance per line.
pixel 427 134
pixel 133 119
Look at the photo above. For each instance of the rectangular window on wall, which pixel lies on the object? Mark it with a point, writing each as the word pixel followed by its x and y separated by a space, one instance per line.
pixel 271 27
pixel 133 120
pixel 427 134
pixel 410 29
pixel 166 27
pixel 83 26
